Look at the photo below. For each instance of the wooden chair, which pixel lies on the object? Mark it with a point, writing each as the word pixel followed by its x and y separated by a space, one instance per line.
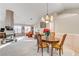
pixel 52 35
pixel 41 44
pixel 59 45
pixel 2 36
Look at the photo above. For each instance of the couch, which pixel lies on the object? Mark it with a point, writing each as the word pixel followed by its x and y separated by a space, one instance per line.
pixel 29 34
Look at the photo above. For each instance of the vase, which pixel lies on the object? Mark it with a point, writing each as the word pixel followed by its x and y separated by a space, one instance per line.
pixel 47 35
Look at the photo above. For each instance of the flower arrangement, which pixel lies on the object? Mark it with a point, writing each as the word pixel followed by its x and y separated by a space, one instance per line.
pixel 46 31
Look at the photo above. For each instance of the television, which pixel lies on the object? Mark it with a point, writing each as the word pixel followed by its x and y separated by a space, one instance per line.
pixel 2 29
pixel 9 28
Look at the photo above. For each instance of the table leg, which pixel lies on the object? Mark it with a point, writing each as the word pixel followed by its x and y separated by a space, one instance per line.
pixel 51 51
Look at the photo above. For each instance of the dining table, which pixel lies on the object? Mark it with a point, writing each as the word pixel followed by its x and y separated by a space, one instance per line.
pixel 51 42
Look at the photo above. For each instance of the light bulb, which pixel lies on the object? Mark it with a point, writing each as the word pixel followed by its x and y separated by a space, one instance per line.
pixel 47 21
pixel 47 17
pixel 51 19
pixel 42 19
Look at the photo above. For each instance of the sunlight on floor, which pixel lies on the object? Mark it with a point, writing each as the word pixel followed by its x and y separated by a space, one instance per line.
pixel 4 45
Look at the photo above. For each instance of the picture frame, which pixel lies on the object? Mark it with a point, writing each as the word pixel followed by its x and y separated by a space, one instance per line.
pixel 42 24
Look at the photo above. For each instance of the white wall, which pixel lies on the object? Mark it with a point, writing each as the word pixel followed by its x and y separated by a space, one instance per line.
pixel 3 20
pixel 67 23
pixel 9 19
pixel 37 27
pixel 2 17
pixel 22 12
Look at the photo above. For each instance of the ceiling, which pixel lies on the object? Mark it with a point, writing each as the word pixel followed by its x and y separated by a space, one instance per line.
pixel 30 13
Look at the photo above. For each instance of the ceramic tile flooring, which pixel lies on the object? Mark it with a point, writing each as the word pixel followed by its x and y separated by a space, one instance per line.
pixel 27 47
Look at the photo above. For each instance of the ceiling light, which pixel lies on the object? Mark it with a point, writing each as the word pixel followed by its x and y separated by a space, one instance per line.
pixel 47 18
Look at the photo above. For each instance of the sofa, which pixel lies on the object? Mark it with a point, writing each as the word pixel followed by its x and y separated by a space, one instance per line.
pixel 29 34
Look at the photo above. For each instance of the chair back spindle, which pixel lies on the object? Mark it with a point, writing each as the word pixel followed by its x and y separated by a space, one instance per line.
pixel 52 35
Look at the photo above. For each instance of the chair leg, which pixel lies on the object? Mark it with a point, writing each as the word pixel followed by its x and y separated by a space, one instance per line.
pixel 59 52
pixel 48 49
pixel 38 49
pixel 1 42
pixel 51 51
pixel 62 50
pixel 42 51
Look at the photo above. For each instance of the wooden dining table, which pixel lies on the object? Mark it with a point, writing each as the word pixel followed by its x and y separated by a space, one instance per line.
pixel 50 42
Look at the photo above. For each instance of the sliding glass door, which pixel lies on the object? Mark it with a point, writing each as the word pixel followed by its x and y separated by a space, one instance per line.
pixel 27 29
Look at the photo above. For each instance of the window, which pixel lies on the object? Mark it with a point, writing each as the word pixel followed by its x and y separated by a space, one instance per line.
pixel 18 29
pixel 27 29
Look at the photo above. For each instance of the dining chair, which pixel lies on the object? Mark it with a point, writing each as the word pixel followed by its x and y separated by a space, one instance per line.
pixel 52 35
pixel 59 45
pixel 2 37
pixel 41 44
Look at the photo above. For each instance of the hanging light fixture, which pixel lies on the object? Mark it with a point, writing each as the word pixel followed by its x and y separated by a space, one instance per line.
pixel 47 18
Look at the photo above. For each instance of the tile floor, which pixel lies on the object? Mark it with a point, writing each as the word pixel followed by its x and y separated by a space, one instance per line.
pixel 27 47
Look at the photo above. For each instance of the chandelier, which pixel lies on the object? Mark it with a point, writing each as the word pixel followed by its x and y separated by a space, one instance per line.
pixel 47 18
